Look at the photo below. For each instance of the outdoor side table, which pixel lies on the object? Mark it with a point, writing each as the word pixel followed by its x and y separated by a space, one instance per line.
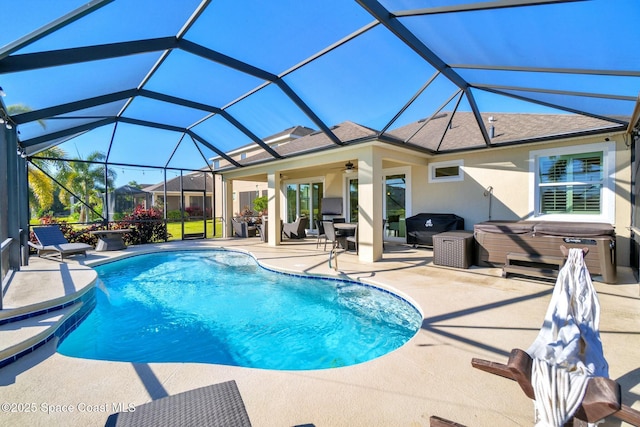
pixel 110 240
pixel 453 248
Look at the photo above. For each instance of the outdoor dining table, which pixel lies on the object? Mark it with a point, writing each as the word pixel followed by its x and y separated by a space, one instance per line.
pixel 344 229
pixel 110 240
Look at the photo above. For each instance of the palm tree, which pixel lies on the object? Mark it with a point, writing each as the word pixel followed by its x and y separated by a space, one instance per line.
pixel 85 178
pixel 41 187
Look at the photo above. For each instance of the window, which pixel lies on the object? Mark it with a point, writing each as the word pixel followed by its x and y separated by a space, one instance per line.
pixel 446 171
pixel 575 182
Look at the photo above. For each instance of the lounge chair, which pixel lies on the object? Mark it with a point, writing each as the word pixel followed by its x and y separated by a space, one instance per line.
pixel 52 243
pixel 564 371
pixel 214 405
pixel 296 229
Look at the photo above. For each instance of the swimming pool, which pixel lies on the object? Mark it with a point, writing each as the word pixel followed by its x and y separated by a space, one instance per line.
pixel 221 306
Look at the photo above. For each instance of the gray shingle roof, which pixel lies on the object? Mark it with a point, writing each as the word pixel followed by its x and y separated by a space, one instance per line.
pixel 462 134
pixel 191 182
pixel 346 131
pixel 508 127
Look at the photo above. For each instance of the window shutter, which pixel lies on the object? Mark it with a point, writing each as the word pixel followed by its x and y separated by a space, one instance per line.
pixel 571 184
pixel 554 200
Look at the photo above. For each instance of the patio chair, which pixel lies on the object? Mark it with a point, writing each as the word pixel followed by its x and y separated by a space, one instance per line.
pixel 242 229
pixel 321 234
pixel 330 235
pixel 384 232
pixel 263 229
pixel 52 243
pixel 295 230
pixel 353 238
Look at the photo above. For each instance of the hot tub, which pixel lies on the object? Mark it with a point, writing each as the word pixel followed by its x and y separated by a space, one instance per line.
pixel 496 239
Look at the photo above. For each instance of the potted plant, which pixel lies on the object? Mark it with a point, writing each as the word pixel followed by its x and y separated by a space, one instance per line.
pixel 260 205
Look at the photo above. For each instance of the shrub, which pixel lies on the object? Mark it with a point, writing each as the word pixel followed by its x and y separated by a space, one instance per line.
pixel 193 211
pixel 175 215
pixel 147 225
pixel 260 204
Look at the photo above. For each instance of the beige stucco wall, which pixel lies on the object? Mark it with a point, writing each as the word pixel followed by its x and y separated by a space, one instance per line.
pixel 245 186
pixel 507 171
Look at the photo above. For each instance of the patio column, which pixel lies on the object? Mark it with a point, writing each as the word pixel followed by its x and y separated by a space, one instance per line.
pixel 14 198
pixel 370 206
pixel 227 196
pixel 23 197
pixel 274 195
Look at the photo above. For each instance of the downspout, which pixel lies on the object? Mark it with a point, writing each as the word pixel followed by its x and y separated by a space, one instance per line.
pixel 489 193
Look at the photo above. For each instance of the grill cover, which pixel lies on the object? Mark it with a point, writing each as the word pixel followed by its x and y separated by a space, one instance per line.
pixel 422 227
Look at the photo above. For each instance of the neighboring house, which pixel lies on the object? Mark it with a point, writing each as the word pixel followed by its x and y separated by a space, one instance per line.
pixel 578 170
pixel 123 200
pixel 244 191
pixel 198 193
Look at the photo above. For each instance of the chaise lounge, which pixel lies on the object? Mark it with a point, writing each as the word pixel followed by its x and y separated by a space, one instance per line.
pixel 52 244
pixel 214 405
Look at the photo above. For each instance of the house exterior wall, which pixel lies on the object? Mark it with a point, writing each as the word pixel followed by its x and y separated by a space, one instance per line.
pixel 246 186
pixel 507 171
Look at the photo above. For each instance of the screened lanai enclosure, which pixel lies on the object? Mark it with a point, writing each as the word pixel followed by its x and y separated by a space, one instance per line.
pixel 104 94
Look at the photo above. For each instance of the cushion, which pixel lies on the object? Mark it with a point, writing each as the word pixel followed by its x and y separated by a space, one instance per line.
pixel 574 229
pixel 505 227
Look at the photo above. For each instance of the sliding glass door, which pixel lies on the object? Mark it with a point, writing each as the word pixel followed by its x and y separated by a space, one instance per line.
pixel 303 200
pixel 397 191
pixel 352 201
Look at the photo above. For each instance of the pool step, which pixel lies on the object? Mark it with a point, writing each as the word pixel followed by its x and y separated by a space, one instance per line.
pixel 22 330
pixel 24 335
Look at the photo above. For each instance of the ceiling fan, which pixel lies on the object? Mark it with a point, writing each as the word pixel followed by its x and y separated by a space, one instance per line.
pixel 349 168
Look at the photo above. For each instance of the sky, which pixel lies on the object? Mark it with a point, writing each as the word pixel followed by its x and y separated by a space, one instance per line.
pixel 367 80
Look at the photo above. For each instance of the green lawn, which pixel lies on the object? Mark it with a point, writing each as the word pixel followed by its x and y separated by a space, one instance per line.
pixel 175 228
pixel 192 227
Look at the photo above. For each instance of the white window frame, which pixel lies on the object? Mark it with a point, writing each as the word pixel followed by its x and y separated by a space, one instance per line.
pixel 607 213
pixel 437 165
pixel 406 171
pixel 285 183
pixel 346 199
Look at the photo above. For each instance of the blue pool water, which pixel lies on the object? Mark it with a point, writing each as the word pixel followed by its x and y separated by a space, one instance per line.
pixel 221 307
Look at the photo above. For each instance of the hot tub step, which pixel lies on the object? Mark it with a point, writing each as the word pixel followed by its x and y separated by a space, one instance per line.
pixel 532 265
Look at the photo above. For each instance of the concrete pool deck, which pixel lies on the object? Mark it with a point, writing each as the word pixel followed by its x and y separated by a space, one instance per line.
pixel 467 313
